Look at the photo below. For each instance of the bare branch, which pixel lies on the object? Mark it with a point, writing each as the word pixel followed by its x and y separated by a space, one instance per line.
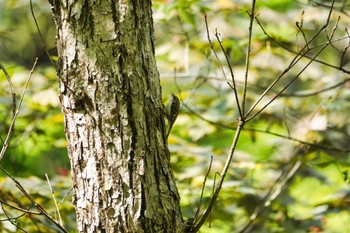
pixel 11 219
pixel 221 66
pixel 284 88
pixel 222 177
pixel 14 103
pixel 12 90
pixel 345 49
pixel 202 191
pixel 300 27
pixel 37 205
pixel 316 92
pixel 287 137
pixel 294 61
pixel 25 211
pixel 234 87
pixel 247 62
pixel 54 199
pixel 12 125
pixel 41 36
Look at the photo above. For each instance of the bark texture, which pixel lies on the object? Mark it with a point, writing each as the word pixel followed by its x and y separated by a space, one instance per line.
pixel 111 100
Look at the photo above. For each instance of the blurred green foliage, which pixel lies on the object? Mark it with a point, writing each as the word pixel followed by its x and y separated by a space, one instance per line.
pixel 315 198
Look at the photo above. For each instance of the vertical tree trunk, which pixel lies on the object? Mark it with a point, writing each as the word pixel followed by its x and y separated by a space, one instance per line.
pixel 111 100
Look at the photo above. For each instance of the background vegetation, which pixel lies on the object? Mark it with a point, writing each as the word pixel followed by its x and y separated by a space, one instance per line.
pixel 291 170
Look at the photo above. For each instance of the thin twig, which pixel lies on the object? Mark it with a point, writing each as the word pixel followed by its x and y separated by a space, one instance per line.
pixel 305 55
pixel 345 49
pixel 313 145
pixel 54 199
pixel 12 125
pixel 65 196
pixel 13 93
pixel 202 191
pixel 287 137
pixel 222 177
pixel 37 205
pixel 300 27
pixel 41 36
pixel 294 61
pixel 247 61
pixel 234 87
pixel 26 211
pixel 12 90
pixel 221 66
pixel 213 190
pixel 316 92
pixel 285 87
pixel 9 219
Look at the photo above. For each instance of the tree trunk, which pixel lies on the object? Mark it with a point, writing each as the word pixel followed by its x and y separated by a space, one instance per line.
pixel 111 101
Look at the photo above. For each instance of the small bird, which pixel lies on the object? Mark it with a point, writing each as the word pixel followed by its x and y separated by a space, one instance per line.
pixel 172 111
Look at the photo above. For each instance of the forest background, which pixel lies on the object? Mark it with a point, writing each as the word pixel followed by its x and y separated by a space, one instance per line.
pixel 291 169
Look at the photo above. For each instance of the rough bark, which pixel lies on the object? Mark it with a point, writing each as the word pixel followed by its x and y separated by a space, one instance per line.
pixel 111 101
